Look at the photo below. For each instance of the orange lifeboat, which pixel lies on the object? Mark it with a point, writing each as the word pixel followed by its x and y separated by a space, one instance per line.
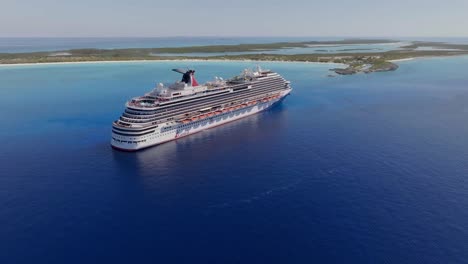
pixel 195 118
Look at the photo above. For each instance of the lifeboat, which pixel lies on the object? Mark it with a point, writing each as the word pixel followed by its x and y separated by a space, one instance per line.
pixel 210 114
pixel 195 118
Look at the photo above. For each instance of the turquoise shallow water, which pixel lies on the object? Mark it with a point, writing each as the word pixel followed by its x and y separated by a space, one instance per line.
pixel 351 169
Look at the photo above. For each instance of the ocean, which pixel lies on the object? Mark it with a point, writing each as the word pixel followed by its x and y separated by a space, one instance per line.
pixel 351 169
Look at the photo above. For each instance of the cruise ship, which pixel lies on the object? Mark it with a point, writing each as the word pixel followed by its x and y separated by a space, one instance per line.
pixel 169 112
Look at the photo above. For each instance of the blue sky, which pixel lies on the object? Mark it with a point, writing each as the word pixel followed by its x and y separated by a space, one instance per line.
pixel 145 18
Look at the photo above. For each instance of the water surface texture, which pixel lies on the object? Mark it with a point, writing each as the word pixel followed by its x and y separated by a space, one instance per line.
pixel 354 169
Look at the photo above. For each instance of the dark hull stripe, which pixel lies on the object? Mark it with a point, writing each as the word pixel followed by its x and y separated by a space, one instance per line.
pixel 125 134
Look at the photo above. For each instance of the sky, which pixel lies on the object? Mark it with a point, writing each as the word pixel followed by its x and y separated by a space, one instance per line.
pixel 156 18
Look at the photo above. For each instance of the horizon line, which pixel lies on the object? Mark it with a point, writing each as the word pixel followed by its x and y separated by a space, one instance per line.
pixel 236 36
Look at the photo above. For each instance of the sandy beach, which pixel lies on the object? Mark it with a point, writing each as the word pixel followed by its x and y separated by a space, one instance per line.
pixel 406 59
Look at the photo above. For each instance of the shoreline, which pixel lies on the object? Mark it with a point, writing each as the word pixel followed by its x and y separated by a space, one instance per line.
pixel 406 59
pixel 149 61
pixel 336 59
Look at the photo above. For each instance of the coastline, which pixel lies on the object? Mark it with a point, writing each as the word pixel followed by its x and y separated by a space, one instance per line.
pixel 166 60
pixel 376 61
pixel 406 59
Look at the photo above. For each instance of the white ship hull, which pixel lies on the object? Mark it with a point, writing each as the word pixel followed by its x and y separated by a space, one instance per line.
pixel 162 134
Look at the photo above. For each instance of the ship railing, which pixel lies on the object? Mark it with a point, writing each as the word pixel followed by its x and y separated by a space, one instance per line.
pixel 179 112
pixel 137 120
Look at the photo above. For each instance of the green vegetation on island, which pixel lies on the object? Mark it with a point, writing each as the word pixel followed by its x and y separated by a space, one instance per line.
pixel 366 65
pixel 357 61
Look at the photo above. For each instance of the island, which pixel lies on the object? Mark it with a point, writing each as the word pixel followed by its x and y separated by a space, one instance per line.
pixel 356 60
pixel 365 64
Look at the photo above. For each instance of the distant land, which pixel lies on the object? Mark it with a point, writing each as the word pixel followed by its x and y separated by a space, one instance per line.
pixel 358 60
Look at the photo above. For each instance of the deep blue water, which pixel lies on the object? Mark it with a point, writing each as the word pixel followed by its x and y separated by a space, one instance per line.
pixel 356 169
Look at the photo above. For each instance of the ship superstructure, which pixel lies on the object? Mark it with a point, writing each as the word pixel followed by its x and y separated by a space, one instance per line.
pixel 186 107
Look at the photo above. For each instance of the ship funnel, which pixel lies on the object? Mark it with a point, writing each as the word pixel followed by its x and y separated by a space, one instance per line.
pixel 194 81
